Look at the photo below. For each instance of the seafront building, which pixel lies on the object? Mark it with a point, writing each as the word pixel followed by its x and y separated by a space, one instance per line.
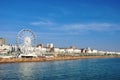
pixel 28 48
pixel 40 50
pixel 2 41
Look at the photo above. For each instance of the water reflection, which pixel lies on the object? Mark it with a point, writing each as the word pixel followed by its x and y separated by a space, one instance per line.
pixel 87 69
pixel 27 70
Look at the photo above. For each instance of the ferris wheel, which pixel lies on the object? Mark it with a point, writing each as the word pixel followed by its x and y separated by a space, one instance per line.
pixel 26 38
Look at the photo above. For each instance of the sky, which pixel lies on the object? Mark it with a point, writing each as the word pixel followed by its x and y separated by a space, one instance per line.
pixel 65 23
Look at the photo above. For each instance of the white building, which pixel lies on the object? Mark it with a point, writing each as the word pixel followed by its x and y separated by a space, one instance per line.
pixel 77 51
pixel 50 45
pixel 69 50
pixel 4 49
pixel 94 51
pixel 62 50
pixel 56 50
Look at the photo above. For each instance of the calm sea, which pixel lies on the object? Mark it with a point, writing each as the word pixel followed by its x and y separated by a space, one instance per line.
pixel 86 69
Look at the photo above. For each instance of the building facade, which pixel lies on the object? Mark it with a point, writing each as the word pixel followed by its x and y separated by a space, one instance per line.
pixel 2 41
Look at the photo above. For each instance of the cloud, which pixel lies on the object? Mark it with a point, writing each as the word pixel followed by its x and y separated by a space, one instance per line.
pixel 89 27
pixel 39 23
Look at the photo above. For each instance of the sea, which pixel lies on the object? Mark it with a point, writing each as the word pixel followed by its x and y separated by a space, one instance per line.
pixel 84 69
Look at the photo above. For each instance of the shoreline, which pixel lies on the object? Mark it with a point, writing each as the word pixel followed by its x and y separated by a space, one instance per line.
pixel 20 60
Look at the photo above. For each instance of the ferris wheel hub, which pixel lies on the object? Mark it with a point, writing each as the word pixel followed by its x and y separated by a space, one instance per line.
pixel 27 41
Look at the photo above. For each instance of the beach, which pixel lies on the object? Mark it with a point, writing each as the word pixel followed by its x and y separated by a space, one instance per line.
pixel 18 60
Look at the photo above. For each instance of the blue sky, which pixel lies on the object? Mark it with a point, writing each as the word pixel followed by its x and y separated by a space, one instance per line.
pixel 82 23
